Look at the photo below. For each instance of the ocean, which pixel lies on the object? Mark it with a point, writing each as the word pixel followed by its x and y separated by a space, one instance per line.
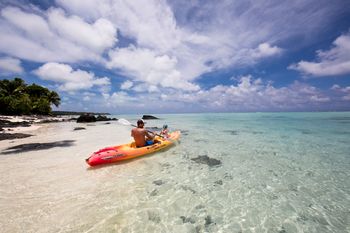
pixel 230 172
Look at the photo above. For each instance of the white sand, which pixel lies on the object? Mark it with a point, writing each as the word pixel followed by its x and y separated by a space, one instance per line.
pixel 43 190
pixel 37 122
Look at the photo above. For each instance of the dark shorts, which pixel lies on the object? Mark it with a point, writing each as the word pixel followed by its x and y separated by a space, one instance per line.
pixel 148 143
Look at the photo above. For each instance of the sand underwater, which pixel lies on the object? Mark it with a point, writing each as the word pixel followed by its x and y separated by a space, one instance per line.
pixel 230 172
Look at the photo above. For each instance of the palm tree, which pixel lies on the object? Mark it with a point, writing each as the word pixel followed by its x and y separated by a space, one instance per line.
pixel 54 98
pixel 16 97
pixel 12 88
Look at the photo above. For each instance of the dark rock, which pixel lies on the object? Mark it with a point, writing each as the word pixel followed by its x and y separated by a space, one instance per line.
pixel 153 216
pixel 218 182
pixel 37 146
pixel 107 123
pixel 10 124
pixel 149 117
pixel 102 118
pixel 50 121
pixel 204 159
pixel 86 118
pixel 10 136
pixel 158 182
pixel 200 207
pixel 208 220
pixel 187 188
pixel 186 220
pixel 154 193
pixel 79 128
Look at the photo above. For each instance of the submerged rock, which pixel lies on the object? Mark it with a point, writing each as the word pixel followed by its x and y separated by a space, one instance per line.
pixel 208 220
pixel 154 193
pixel 204 159
pixel 153 216
pixel 187 188
pixel 158 182
pixel 187 219
pixel 218 182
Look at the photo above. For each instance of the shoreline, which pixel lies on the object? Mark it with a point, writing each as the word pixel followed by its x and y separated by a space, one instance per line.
pixel 15 127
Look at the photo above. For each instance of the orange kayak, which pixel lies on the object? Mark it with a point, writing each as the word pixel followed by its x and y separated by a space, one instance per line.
pixel 129 151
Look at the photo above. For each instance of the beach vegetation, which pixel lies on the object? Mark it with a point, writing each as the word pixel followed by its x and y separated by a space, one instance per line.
pixel 19 98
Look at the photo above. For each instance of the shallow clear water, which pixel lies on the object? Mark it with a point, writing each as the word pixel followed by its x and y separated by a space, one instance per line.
pixel 279 172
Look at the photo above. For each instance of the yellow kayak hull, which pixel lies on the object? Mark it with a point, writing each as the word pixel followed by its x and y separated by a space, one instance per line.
pixel 128 151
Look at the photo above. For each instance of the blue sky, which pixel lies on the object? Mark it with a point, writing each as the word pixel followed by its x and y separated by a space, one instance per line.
pixel 148 56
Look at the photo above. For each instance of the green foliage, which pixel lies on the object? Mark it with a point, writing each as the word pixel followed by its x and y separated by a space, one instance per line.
pixel 16 97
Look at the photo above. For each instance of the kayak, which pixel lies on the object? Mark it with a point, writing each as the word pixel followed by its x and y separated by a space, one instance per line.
pixel 129 151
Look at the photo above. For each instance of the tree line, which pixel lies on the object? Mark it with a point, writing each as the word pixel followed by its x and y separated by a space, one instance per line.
pixel 19 98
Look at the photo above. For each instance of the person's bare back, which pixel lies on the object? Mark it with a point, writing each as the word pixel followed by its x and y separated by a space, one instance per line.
pixel 140 135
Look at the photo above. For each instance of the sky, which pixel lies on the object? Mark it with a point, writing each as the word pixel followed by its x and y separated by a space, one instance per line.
pixel 180 56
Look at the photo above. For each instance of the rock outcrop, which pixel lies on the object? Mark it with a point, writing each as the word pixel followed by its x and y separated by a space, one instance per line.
pixel 149 117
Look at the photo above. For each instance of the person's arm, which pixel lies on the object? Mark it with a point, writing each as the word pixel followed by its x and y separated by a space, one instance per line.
pixel 149 135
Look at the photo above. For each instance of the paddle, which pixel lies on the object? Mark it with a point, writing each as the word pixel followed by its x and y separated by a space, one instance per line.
pixel 126 122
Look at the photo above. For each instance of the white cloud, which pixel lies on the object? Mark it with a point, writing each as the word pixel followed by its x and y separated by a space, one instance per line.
pixel 126 85
pixel 145 65
pixel 97 36
pixel 201 37
pixel 52 36
pixel 266 50
pixel 253 95
pixel 145 88
pixel 68 79
pixel 344 91
pixel 10 65
pixel 335 61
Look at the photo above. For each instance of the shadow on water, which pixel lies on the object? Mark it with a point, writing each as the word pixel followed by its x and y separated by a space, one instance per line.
pixel 37 146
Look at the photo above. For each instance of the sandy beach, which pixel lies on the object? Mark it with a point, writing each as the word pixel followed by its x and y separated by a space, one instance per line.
pixel 48 169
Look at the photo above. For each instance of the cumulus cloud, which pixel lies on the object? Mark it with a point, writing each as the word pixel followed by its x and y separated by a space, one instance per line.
pixel 344 91
pixel 199 39
pixel 266 50
pixel 97 36
pixel 69 79
pixel 53 36
pixel 9 65
pixel 147 66
pixel 254 95
pixel 335 61
pixel 126 85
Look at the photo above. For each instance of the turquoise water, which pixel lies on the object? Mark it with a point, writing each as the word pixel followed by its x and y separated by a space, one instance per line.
pixel 279 172
pixel 230 172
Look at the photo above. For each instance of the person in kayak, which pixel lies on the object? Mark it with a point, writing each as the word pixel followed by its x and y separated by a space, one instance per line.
pixel 165 131
pixel 141 136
